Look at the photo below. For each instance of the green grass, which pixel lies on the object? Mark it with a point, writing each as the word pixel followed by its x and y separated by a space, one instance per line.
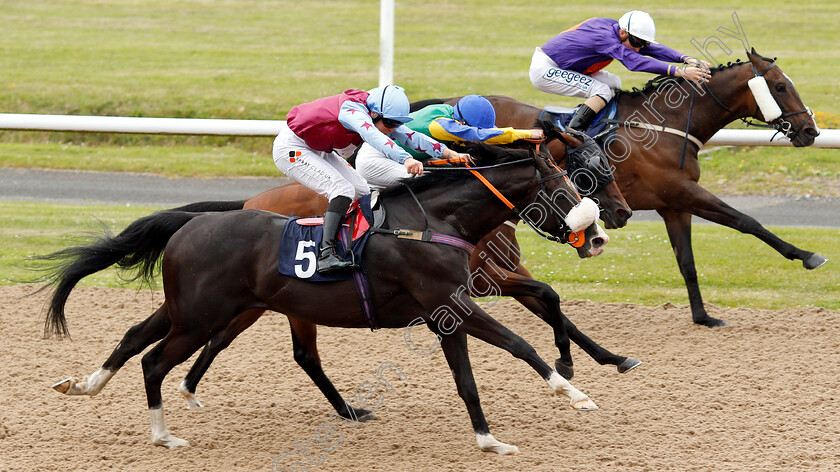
pixel 33 229
pixel 771 170
pixel 734 269
pixel 638 266
pixel 257 58
pixel 254 59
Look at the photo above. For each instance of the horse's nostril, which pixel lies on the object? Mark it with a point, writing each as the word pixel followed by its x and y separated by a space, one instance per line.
pixel 598 242
pixel 626 214
pixel 812 132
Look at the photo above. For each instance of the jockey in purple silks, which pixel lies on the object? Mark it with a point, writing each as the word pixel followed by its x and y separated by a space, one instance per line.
pixel 571 63
pixel 320 135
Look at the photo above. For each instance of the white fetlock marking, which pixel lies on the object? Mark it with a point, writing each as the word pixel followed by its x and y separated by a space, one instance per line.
pixel 192 400
pixel 91 386
pixel 487 443
pixel 577 399
pixel 160 435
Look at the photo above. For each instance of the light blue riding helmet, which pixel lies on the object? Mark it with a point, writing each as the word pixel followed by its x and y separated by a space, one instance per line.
pixel 475 110
pixel 391 102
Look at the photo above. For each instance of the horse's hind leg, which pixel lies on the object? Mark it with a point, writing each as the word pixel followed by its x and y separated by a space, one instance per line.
pixel 175 348
pixel 455 349
pixel 212 349
pixel 304 341
pixel 135 340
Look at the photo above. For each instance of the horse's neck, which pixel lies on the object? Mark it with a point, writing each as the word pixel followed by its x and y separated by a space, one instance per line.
pixel 467 209
pixel 670 104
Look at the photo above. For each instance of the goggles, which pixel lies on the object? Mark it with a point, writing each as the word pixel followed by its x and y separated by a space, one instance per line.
pixel 638 43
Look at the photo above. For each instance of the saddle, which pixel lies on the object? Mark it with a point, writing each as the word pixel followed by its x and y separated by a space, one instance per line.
pixel 301 239
pixel 601 129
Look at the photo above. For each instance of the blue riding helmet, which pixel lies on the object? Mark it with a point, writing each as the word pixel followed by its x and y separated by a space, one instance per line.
pixel 475 110
pixel 391 102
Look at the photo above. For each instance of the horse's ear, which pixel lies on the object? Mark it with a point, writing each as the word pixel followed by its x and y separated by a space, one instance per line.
pixel 752 51
pixel 573 137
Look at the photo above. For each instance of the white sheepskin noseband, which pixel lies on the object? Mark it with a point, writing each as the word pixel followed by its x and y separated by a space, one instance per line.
pixel 582 215
pixel 766 103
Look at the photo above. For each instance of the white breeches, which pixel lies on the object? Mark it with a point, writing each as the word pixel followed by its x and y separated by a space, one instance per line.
pixel 546 76
pixel 377 169
pixel 324 172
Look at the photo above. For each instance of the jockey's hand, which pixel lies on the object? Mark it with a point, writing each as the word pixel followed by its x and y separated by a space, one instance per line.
pixel 698 63
pixel 695 74
pixel 450 154
pixel 413 166
pixel 537 134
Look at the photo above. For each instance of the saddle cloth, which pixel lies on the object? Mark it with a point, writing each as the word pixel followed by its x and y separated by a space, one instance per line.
pixel 301 239
pixel 599 130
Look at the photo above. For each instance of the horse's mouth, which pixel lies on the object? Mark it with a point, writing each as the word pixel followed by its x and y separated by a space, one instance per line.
pixel 806 137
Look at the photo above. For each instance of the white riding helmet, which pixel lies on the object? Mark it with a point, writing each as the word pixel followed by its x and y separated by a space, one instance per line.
pixel 639 24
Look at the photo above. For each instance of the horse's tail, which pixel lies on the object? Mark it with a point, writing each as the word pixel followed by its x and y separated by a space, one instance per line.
pixel 138 247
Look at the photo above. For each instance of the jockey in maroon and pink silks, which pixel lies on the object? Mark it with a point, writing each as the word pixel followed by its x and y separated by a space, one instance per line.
pixel 572 62
pixel 320 135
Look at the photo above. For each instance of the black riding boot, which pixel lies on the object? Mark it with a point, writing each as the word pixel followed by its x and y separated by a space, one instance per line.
pixel 582 118
pixel 328 260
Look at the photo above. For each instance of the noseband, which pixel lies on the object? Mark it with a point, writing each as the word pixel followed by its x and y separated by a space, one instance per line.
pixel 575 239
pixel 781 125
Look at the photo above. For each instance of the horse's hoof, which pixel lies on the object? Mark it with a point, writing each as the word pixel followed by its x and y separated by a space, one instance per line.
pixel 585 405
pixel 365 415
pixel 64 385
pixel 813 261
pixel 565 371
pixel 628 365
pixel 710 322
pixel 171 442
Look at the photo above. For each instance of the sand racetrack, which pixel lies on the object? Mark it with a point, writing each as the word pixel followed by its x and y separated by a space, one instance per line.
pixel 758 395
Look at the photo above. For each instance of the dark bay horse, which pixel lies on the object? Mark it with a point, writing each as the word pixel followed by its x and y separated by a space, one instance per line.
pixel 647 162
pixel 220 266
pixel 497 256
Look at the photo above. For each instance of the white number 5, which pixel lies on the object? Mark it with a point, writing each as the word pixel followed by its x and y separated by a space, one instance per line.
pixel 303 255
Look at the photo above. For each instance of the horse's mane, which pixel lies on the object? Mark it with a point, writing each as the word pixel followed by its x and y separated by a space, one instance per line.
pixel 657 81
pixel 483 155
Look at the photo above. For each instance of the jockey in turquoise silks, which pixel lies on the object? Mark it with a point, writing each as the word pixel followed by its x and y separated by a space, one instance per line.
pixel 471 119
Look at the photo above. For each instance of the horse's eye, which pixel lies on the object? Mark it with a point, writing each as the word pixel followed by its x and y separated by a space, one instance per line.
pixel 780 87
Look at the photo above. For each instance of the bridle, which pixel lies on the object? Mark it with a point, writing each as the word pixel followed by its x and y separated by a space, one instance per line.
pixel 780 124
pixel 575 239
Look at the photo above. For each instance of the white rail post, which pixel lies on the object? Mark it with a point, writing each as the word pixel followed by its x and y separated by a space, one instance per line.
pixel 386 42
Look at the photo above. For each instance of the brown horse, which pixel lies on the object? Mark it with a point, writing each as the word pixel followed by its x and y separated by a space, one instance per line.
pixel 652 171
pixel 497 256
pixel 218 267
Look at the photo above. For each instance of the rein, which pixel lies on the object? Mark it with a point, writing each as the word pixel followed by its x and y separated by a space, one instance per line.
pixel 575 239
pixel 783 126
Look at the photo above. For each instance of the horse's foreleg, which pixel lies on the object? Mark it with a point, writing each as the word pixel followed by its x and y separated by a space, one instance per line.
pixel 135 340
pixel 482 326
pixel 455 349
pixel 212 349
pixel 706 205
pixel 679 232
pixel 536 296
pixel 546 304
pixel 304 341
